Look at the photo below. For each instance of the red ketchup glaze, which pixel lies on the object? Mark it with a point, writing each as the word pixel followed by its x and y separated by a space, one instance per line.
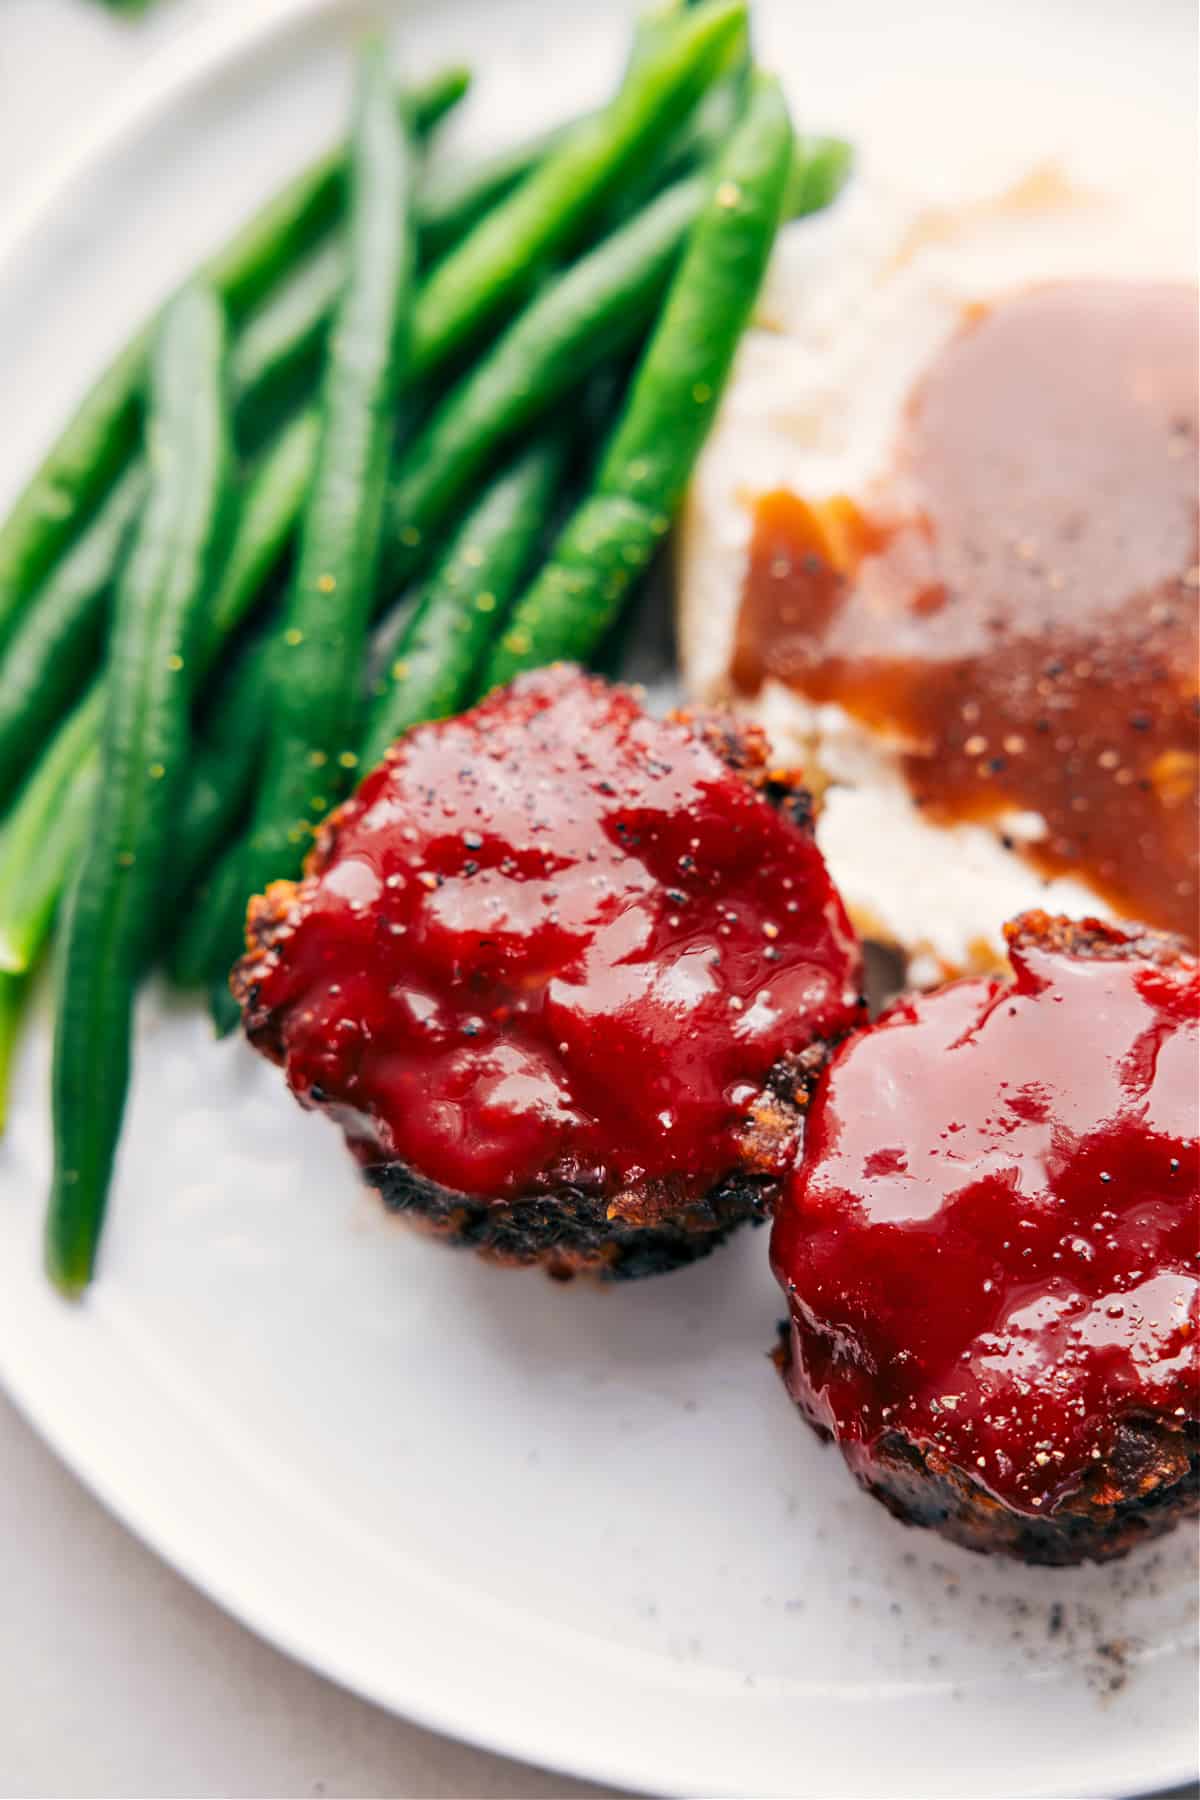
pixel 557 940
pixel 990 1242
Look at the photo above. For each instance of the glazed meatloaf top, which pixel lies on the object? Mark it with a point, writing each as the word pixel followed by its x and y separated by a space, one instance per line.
pixel 558 941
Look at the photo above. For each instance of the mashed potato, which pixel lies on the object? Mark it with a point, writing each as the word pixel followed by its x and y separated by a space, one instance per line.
pixel 857 304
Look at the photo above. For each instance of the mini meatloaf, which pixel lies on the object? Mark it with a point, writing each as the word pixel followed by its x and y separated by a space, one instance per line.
pixel 563 972
pixel 989 1249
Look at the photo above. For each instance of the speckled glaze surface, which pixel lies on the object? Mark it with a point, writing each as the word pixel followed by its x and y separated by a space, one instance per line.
pixel 578 1525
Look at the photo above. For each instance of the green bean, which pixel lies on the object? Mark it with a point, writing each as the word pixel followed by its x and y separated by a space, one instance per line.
pixel 44 837
pixel 38 845
pixel 104 431
pixel 291 222
pixel 703 135
pixel 820 170
pixel 229 740
pixel 277 348
pixel 311 698
pixel 77 471
pixel 46 657
pixel 220 780
pixel 13 993
pixel 499 259
pixel 677 387
pixel 316 662
pixel 281 341
pixel 111 908
pixel 455 196
pixel 45 834
pixel 652 27
pixel 599 307
pixel 58 640
pixel 433 666
pixel 612 537
pixel 281 338
pixel 277 353
pixel 280 344
pixel 41 838
pixel 58 634
pixel 273 501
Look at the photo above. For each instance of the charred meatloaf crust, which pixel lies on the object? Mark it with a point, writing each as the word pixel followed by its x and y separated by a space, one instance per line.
pixel 563 972
pixel 989 1249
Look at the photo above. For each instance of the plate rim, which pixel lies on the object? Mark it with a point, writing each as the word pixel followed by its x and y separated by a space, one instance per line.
pixel 200 54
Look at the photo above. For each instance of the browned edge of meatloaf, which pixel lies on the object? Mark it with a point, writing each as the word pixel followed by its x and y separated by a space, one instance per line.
pixel 570 1232
pixel 1102 940
pixel 1150 1483
pixel 647 1230
pixel 567 1229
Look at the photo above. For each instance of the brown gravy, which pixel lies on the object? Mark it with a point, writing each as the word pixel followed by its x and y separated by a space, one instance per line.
pixel 1016 603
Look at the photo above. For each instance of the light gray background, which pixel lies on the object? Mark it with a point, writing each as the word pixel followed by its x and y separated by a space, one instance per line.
pixel 116 1678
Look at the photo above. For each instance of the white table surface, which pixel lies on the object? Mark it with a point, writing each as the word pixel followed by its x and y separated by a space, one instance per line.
pixel 116 1677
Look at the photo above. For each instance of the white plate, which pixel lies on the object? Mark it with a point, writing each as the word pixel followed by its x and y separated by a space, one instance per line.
pixel 581 1527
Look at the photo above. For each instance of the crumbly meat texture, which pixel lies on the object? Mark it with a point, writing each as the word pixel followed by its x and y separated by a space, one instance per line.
pixel 1150 1479
pixel 571 1229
